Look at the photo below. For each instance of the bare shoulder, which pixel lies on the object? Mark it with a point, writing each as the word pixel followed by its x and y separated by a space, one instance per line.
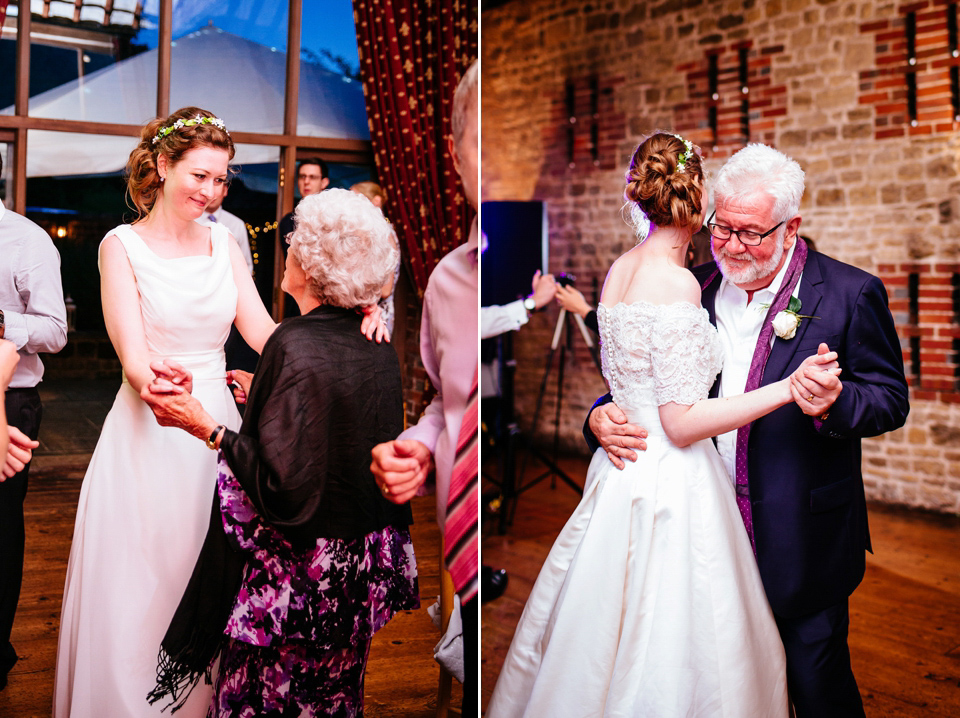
pixel 678 285
pixel 112 250
pixel 619 278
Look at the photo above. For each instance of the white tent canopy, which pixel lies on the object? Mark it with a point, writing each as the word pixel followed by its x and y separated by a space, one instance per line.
pixel 238 80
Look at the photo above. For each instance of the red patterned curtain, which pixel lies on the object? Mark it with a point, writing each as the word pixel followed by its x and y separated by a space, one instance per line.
pixel 412 55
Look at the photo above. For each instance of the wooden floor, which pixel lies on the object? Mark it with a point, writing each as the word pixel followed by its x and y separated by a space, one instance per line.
pixel 905 616
pixel 401 674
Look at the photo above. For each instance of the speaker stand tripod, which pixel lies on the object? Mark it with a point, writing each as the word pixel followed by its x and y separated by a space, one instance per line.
pixel 511 489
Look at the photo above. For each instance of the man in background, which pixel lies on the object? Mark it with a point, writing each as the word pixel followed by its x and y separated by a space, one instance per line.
pixel 313 176
pixel 215 213
pixel 238 353
pixel 446 435
pixel 34 318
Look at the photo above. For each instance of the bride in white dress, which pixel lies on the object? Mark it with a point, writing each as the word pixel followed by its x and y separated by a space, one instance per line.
pixel 649 604
pixel 171 289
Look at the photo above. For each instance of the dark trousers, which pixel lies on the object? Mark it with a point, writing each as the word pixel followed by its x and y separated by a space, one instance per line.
pixel 24 412
pixel 819 675
pixel 471 632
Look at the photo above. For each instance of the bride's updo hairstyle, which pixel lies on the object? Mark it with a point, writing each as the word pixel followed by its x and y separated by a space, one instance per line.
pixel 665 180
pixel 174 136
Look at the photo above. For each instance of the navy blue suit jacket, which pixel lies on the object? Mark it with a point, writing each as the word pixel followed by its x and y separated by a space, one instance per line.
pixel 806 485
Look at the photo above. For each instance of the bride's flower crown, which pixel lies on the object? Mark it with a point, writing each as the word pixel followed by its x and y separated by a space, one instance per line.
pixel 684 156
pixel 198 120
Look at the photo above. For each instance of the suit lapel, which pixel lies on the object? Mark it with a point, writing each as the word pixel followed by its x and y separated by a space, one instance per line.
pixel 810 296
pixel 708 300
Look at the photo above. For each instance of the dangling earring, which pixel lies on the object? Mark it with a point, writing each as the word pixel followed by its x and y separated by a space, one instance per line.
pixel 642 226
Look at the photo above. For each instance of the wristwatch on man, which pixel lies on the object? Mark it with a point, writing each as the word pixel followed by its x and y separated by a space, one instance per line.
pixel 529 304
pixel 3 326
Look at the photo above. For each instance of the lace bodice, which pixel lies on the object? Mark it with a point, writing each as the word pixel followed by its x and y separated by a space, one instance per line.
pixel 654 354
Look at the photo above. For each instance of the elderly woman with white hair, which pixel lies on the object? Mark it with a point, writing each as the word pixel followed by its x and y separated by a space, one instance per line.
pixel 304 558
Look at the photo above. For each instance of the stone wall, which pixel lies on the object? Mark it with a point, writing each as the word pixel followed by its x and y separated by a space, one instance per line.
pixel 829 82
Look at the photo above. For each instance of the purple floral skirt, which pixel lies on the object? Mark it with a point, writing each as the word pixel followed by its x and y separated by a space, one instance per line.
pixel 297 680
pixel 302 622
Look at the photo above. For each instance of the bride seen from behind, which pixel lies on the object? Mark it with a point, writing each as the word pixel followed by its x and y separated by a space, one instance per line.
pixel 650 603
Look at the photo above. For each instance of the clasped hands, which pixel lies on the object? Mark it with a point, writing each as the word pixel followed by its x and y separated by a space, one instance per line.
pixel 170 396
pixel 814 387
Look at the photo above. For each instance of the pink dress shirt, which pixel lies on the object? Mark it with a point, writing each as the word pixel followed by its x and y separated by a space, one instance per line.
pixel 449 351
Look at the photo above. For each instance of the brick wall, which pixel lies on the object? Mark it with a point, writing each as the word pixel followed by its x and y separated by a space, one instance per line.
pixel 830 83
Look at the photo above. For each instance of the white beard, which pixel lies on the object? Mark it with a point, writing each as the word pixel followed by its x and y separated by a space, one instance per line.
pixel 747 273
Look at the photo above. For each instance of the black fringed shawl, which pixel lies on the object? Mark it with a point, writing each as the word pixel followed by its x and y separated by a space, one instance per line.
pixel 322 397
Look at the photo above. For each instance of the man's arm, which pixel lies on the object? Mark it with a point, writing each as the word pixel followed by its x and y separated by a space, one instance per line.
pixel 606 426
pixel 874 398
pixel 403 466
pixel 497 320
pixel 42 325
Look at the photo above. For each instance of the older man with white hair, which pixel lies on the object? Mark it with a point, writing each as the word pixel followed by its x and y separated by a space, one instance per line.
pixel 796 471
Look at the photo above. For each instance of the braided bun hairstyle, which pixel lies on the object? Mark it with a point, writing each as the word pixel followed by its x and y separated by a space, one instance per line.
pixel 670 198
pixel 143 180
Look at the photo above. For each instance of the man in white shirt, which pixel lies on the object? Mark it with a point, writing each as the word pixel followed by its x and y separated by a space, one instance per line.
pixel 32 316
pixel 498 319
pixel 237 227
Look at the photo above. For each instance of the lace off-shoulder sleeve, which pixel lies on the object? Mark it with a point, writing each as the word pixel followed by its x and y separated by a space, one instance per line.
pixel 686 356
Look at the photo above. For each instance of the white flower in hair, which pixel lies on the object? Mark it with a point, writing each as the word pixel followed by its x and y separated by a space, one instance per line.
pixel 642 226
pixel 684 156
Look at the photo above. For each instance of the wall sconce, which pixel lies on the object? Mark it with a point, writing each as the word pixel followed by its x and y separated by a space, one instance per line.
pixel 61 232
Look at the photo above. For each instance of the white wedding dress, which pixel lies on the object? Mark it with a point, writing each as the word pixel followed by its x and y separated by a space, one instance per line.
pixel 650 604
pixel 146 498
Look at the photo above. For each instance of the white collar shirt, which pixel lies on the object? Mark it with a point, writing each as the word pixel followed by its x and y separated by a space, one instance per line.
pixel 739 323
pixel 31 295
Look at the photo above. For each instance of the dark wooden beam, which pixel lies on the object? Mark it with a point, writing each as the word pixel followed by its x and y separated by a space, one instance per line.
pixel 21 104
pixel 286 180
pixel 163 59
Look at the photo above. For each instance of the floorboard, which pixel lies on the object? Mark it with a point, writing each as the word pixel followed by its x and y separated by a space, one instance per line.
pixel 905 616
pixel 401 674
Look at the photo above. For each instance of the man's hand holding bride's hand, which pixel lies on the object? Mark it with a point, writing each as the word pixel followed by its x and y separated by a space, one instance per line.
pixel 242 379
pixel 170 378
pixel 815 385
pixel 618 438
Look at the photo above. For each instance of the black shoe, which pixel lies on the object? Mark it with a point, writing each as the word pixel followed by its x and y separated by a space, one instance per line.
pixel 8 659
pixel 493 582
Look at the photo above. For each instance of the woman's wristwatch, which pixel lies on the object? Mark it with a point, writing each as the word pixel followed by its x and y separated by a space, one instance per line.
pixel 212 439
pixel 530 305
pixel 3 326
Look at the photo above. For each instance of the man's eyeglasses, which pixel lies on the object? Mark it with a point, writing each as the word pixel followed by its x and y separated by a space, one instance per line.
pixel 746 236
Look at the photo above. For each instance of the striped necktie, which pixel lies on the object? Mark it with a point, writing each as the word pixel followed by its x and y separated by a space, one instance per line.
pixel 460 532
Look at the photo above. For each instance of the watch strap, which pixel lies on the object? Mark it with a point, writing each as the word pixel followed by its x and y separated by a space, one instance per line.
pixel 212 439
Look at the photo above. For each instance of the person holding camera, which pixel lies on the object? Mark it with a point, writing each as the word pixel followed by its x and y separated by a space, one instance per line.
pixel 499 319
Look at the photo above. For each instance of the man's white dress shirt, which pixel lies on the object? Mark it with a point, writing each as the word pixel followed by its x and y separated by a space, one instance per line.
pixel 739 324
pixel 31 295
pixel 236 227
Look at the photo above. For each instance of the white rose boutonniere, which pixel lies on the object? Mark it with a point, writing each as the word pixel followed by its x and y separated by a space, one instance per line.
pixel 786 322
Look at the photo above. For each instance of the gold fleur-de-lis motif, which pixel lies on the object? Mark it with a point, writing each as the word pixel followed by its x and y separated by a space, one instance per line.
pixel 404 29
pixel 408 66
pixel 413 103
